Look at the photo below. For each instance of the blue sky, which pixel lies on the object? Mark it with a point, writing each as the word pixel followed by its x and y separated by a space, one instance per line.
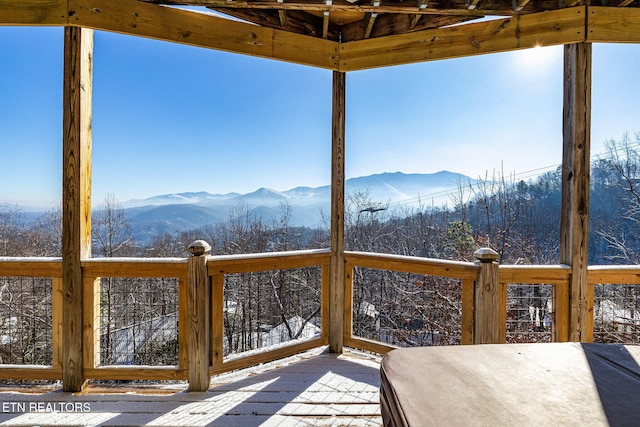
pixel 170 118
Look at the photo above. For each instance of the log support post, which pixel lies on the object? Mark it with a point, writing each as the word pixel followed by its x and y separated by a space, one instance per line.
pixel 337 290
pixel 199 304
pixel 76 198
pixel 574 222
pixel 487 319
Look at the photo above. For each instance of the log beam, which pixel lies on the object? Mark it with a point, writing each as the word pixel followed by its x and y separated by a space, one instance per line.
pixel 33 12
pixel 613 25
pixel 501 35
pixel 563 26
pixel 197 29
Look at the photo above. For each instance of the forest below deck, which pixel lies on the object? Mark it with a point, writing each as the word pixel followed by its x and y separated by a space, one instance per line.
pixel 520 220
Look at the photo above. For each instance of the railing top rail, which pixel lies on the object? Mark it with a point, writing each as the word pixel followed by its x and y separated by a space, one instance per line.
pixel 242 263
pixel 563 267
pixel 411 264
pixel 31 267
pixel 283 254
pixel 133 260
pixel 614 274
pixel 610 268
pixel 135 267
pixel 535 274
pixel 13 259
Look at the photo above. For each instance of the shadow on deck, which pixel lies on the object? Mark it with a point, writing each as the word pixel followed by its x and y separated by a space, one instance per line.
pixel 315 388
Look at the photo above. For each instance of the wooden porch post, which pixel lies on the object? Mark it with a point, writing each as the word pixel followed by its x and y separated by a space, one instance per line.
pixel 76 197
pixel 336 297
pixel 487 322
pixel 199 306
pixel 574 222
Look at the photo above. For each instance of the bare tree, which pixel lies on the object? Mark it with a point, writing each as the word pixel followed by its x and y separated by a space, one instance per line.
pixel 497 207
pixel 623 157
pixel 110 229
pixel 11 227
pixel 111 237
pixel 45 234
pixel 25 302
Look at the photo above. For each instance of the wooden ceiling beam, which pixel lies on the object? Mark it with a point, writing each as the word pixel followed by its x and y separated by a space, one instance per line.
pixel 345 6
pixel 518 5
pixel 33 12
pixel 325 19
pixel 202 30
pixel 414 21
pixel 540 29
pixel 282 14
pixel 297 21
pixel 369 20
pixel 614 25
pixel 422 4
pixel 388 24
pixel 563 26
pixel 325 24
pixel 472 4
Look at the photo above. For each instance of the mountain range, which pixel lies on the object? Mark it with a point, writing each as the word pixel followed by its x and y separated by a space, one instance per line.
pixel 173 213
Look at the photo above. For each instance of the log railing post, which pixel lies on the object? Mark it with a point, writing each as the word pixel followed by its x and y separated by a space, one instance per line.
pixel 199 304
pixel 486 323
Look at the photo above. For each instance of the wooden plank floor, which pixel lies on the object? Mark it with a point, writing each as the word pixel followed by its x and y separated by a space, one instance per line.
pixel 312 389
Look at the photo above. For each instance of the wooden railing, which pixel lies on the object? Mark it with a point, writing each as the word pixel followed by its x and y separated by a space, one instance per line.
pixel 466 272
pixel 95 269
pixel 201 281
pixel 208 273
pixel 38 267
pixel 555 275
pixel 216 268
pixel 614 276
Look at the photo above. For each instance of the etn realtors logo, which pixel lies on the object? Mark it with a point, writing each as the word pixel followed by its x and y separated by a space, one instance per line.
pixel 23 407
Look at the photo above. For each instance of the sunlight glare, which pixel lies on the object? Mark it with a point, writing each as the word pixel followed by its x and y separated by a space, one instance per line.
pixel 537 59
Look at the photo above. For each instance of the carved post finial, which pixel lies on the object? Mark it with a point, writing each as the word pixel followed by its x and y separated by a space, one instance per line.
pixel 199 248
pixel 486 255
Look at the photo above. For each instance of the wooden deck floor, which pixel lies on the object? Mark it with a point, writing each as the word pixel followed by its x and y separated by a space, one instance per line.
pixel 312 389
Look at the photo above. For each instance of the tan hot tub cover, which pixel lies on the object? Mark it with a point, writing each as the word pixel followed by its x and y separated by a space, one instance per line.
pixel 554 384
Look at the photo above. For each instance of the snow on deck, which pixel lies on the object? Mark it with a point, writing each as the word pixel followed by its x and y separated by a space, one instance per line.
pixel 312 389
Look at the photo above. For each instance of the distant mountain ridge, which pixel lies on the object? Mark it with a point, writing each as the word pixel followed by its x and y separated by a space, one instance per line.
pixel 180 198
pixel 388 187
pixel 177 212
pixel 173 213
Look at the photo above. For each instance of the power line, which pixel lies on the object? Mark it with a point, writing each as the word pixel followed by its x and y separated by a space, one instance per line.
pixel 439 194
pixel 519 176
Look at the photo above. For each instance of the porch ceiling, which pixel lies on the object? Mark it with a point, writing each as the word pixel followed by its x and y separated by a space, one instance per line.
pixel 351 20
pixel 344 35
